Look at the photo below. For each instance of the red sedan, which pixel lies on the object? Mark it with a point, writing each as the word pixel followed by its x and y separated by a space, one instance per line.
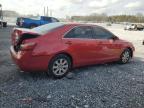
pixel 58 47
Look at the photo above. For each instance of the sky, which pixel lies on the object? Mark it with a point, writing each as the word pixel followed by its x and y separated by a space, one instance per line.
pixel 63 8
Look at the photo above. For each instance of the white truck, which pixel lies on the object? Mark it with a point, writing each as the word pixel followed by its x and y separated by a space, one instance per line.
pixel 2 22
pixel 130 27
pixel 138 27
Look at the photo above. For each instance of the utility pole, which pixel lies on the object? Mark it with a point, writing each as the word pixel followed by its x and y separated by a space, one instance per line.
pixel 44 11
pixel 51 13
pixel 47 11
pixel 1 13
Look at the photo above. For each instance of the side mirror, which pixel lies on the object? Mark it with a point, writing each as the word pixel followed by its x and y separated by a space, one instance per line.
pixel 143 42
pixel 115 38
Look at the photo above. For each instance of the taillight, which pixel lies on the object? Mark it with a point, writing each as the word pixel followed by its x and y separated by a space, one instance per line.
pixel 27 46
pixel 15 36
pixel 21 22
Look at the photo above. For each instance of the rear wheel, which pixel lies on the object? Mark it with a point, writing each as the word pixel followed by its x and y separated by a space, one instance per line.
pixel 1 24
pixel 4 24
pixel 59 66
pixel 125 56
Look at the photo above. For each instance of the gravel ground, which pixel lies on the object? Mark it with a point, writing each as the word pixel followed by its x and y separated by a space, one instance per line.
pixel 99 86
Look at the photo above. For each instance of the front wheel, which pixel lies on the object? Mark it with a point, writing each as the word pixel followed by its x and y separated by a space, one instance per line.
pixel 125 56
pixel 59 66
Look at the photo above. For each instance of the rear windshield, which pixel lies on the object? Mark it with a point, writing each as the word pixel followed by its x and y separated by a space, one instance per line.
pixel 47 27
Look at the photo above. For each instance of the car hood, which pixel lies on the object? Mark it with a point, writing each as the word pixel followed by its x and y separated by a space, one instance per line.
pixel 128 44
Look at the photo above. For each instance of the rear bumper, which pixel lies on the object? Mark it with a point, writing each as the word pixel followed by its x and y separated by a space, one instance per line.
pixel 20 59
pixel 26 62
pixel 15 55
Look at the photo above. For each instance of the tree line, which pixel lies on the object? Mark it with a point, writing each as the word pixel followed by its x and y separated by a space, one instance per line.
pixel 138 18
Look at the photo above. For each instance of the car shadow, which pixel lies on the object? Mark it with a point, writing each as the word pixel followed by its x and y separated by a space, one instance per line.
pixel 98 68
pixel 81 70
pixel 33 75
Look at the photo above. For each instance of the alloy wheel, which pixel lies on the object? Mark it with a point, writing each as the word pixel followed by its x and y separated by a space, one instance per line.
pixel 125 56
pixel 60 66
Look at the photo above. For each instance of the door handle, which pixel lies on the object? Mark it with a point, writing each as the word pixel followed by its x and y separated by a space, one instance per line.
pixel 68 42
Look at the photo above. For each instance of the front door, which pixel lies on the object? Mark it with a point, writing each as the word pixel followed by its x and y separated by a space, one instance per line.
pixel 82 46
pixel 109 49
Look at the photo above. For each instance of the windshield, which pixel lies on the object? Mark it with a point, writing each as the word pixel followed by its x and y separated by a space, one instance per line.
pixel 47 27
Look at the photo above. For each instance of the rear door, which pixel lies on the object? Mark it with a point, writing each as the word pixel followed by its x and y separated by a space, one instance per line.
pixel 81 45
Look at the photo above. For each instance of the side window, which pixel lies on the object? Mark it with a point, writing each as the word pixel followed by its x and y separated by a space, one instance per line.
pixel 83 32
pixel 46 18
pixel 54 20
pixel 100 33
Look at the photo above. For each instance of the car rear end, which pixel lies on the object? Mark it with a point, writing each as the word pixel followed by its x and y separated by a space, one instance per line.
pixel 23 22
pixel 23 44
pixel 20 21
pixel 27 49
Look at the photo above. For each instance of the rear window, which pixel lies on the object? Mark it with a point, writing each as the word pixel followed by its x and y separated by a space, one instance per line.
pixel 47 27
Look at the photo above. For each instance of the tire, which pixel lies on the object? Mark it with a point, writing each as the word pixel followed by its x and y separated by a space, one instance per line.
pixel 59 66
pixel 4 24
pixel 1 24
pixel 125 56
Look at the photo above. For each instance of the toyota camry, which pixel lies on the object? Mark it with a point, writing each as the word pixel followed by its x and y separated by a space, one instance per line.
pixel 56 48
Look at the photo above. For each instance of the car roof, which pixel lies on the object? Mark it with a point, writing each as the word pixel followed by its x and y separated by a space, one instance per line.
pixel 78 24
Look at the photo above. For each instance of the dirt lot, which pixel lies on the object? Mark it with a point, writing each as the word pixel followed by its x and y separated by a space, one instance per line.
pixel 100 86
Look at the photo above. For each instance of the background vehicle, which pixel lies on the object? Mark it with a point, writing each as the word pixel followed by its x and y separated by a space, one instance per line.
pixel 130 27
pixel 34 22
pixel 2 22
pixel 139 27
pixel 134 27
pixel 58 47
pixel 108 24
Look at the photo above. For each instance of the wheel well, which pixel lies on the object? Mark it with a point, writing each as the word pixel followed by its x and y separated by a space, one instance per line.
pixel 130 51
pixel 68 55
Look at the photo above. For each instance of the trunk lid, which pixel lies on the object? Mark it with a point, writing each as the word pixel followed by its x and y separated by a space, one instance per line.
pixel 20 34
